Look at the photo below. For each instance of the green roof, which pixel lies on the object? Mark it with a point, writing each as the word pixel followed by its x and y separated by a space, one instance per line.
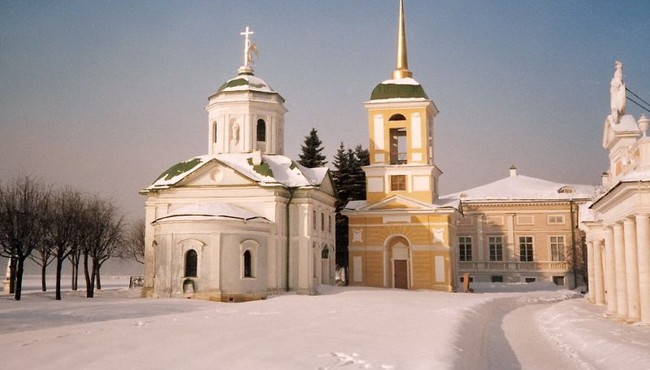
pixel 390 91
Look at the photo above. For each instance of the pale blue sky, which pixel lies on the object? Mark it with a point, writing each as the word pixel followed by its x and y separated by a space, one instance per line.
pixel 105 95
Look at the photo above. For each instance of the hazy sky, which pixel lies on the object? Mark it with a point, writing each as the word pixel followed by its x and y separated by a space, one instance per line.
pixel 105 95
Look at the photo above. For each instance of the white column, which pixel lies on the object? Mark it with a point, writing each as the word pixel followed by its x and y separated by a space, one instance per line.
pixel 590 271
pixel 643 250
pixel 599 284
pixel 632 269
pixel 610 272
pixel 621 286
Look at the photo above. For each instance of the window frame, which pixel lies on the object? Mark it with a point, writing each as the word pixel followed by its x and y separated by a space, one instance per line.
pixel 495 249
pixel 465 248
pixel 397 182
pixel 526 248
pixel 557 248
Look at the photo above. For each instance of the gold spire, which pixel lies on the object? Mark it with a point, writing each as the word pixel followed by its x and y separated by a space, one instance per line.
pixel 402 66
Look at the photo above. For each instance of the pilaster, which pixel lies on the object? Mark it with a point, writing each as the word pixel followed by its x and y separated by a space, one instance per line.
pixel 590 272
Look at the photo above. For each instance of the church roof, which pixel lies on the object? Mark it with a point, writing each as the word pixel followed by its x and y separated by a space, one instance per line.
pixel 270 170
pixel 246 82
pixel 402 88
pixel 523 188
pixel 207 211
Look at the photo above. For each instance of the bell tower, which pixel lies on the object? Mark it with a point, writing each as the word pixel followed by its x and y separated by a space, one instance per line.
pixel 246 114
pixel 400 127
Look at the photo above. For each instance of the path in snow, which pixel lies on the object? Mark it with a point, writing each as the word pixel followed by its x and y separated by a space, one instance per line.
pixel 533 349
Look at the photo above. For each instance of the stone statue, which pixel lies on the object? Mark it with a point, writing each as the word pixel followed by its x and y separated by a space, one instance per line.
pixel 618 94
pixel 249 48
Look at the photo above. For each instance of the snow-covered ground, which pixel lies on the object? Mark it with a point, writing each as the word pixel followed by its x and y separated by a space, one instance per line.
pixel 533 326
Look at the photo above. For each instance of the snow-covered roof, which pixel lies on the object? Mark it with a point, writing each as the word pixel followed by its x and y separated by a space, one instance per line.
pixel 518 187
pixel 633 176
pixel 205 211
pixel 246 82
pixel 403 88
pixel 626 123
pixel 271 170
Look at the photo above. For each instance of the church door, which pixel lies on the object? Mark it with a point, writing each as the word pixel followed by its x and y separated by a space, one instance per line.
pixel 401 274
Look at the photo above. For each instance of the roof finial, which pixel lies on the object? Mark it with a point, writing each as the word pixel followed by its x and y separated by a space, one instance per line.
pixel 401 68
pixel 249 49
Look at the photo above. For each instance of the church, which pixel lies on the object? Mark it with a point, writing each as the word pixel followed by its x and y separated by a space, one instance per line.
pixel 617 222
pixel 402 235
pixel 242 221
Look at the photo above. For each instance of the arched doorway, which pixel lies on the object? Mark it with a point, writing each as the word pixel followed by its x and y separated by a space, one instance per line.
pixel 325 265
pixel 399 262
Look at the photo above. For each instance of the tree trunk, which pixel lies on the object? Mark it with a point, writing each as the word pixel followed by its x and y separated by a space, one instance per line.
pixel 12 275
pixel 59 267
pixel 96 267
pixel 43 282
pixel 74 260
pixel 89 282
pixel 19 277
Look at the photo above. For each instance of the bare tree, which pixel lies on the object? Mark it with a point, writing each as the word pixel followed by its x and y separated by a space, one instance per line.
pixel 133 246
pixel 23 208
pixel 43 257
pixel 103 237
pixel 74 259
pixel 65 231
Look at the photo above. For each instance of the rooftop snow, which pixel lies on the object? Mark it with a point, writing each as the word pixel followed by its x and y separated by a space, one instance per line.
pixel 244 82
pixel 213 210
pixel 520 187
pixel 274 169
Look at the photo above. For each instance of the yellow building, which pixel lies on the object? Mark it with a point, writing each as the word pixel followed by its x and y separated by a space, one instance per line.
pixel 402 235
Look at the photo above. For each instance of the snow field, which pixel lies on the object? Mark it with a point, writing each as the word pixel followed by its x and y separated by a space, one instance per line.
pixel 344 327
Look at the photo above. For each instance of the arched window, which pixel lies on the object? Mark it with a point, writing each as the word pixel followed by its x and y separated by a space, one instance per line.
pixel 398 150
pixel 214 131
pixel 190 263
pixel 261 130
pixel 397 117
pixel 248 264
pixel 325 253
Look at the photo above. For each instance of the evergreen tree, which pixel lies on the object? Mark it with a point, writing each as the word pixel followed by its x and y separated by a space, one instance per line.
pixel 311 151
pixel 350 182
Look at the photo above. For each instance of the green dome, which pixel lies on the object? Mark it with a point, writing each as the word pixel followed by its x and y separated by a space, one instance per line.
pixel 403 88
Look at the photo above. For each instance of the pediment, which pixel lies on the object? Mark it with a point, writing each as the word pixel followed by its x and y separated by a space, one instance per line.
pixel 214 173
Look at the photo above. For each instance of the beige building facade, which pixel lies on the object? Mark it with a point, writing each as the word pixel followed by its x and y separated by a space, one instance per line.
pixel 522 229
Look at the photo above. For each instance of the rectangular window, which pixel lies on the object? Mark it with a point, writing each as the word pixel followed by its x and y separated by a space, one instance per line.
pixel 555 219
pixel 329 223
pixel 496 278
pixel 526 248
pixel 313 216
pixel 398 183
pixel 557 248
pixel 322 222
pixel 465 248
pixel 496 248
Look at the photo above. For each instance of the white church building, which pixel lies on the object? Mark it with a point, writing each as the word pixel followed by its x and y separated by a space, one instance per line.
pixel 242 221
pixel 618 220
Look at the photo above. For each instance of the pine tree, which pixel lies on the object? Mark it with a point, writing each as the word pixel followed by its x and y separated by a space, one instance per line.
pixel 311 151
pixel 350 182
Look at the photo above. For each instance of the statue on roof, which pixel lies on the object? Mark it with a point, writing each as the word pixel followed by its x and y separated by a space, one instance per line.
pixel 618 94
pixel 249 49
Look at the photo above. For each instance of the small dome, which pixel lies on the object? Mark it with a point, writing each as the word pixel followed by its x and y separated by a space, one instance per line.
pixel 404 88
pixel 246 82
